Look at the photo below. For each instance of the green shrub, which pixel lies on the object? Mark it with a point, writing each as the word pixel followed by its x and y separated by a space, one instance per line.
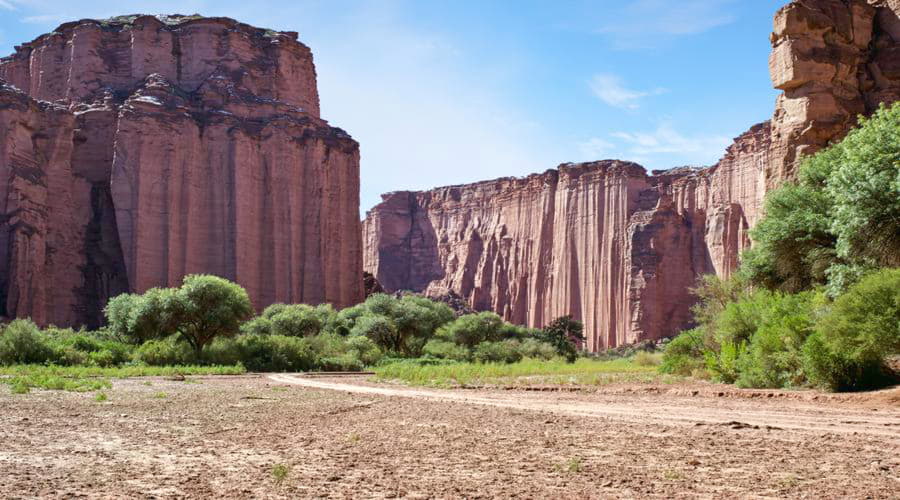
pixel 260 325
pixel 566 335
pixel 364 350
pixel 685 353
pixel 446 350
pixel 773 357
pixel 535 349
pixel 471 330
pixel 858 332
pixel 506 351
pixel 164 352
pixel 297 320
pixel 23 342
pixel 275 353
pixel 378 329
pixel 644 358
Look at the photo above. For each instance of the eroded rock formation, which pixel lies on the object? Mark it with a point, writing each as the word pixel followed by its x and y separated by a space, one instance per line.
pixel 619 248
pixel 139 149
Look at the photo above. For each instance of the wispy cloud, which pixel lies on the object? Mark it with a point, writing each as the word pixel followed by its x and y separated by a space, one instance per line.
pixel 7 5
pixel 663 147
pixel 45 19
pixel 595 148
pixel 610 89
pixel 640 24
pixel 665 140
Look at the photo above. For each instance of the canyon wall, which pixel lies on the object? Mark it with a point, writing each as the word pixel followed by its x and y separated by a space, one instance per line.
pixel 619 248
pixel 139 149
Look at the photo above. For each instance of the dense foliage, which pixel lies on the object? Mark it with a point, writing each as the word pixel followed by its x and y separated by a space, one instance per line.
pixel 207 321
pixel 817 298
pixel 840 219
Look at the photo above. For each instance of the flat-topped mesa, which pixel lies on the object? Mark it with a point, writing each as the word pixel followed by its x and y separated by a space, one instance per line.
pixel 82 60
pixel 620 249
pixel 192 145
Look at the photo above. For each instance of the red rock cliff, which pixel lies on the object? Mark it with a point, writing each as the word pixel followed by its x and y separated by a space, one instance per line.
pixel 619 248
pixel 173 145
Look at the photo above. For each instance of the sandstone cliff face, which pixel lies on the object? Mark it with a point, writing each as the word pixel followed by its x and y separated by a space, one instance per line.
pixel 619 248
pixel 173 146
pixel 834 60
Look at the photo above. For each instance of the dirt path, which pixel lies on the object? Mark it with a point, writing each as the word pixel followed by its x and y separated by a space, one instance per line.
pixel 224 437
pixel 796 416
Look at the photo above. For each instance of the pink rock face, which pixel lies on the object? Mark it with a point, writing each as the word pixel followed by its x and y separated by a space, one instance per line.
pixel 620 249
pixel 175 146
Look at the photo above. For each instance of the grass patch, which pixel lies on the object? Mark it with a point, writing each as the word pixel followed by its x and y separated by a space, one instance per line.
pixel 23 378
pixel 22 384
pixel 583 371
pixel 101 397
pixel 119 371
pixel 280 473
pixel 160 395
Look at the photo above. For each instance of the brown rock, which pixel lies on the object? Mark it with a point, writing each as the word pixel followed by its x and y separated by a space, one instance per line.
pixel 177 145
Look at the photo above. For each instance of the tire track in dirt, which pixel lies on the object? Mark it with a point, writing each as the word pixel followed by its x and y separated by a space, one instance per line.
pixel 662 409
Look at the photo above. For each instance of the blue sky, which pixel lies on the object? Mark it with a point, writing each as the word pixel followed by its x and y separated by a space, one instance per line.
pixel 444 92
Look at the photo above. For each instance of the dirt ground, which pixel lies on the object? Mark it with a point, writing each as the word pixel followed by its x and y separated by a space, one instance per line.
pixel 352 438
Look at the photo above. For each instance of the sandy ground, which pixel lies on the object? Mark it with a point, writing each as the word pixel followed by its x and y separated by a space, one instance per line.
pixel 351 438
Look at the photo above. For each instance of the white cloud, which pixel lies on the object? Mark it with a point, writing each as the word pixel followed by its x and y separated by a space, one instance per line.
pixel 665 140
pixel 45 19
pixel 595 148
pixel 640 24
pixel 610 89
pixel 6 4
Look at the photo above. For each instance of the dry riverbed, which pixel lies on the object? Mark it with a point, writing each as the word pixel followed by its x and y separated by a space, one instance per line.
pixel 285 436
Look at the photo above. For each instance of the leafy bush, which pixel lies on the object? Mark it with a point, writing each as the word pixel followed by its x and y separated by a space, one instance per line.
pixel 644 358
pixel 471 330
pixel 164 352
pixel 773 357
pixel 535 349
pixel 855 336
pixel 364 350
pixel 23 342
pixel 446 350
pixel 275 353
pixel 295 320
pixel 506 351
pixel 685 353
pixel 380 330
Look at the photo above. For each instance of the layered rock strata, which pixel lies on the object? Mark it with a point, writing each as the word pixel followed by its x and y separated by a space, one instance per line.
pixel 616 247
pixel 140 149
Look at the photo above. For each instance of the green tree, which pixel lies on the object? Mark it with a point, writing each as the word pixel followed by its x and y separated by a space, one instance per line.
pixel 840 220
pixel 566 335
pixel 206 307
pixel 470 330
pixel 865 187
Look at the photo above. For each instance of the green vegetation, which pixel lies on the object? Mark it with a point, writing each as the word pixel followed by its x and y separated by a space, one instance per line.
pixel 204 326
pixel 840 219
pixel 280 473
pixel 817 298
pixel 446 373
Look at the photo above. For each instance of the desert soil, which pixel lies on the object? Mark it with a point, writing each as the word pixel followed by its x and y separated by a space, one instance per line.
pixel 350 438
